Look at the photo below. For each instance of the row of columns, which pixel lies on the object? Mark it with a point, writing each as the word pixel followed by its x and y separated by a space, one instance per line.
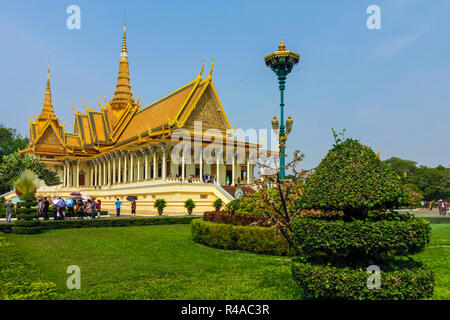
pixel 119 167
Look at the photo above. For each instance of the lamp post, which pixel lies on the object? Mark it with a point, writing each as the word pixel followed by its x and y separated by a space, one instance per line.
pixel 281 62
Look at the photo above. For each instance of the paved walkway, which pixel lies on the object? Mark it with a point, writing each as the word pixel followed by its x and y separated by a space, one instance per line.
pixel 424 213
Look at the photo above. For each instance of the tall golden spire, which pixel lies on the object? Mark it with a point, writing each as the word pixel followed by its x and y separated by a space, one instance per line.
pixel 123 93
pixel 282 47
pixel 47 109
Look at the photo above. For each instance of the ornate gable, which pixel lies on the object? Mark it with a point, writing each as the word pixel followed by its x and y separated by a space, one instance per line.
pixel 207 111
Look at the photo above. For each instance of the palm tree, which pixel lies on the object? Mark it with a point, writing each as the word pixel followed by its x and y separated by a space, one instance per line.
pixel 26 182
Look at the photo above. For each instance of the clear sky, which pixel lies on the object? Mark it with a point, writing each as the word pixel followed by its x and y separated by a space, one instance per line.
pixel 389 88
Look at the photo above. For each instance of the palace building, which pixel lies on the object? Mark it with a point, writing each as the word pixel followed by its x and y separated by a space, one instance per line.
pixel 124 147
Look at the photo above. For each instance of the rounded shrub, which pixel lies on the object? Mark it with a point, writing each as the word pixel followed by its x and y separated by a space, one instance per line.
pixel 358 239
pixel 404 280
pixel 26 213
pixel 352 178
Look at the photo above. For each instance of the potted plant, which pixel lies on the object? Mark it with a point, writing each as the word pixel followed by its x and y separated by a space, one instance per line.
pixel 160 204
pixel 189 204
pixel 218 204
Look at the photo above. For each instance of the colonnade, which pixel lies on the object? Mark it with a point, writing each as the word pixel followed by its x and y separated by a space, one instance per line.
pixel 150 163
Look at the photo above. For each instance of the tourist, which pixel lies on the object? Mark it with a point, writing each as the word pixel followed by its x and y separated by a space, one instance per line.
pixel 89 209
pixel 442 208
pixel 79 208
pixel 118 203
pixel 422 204
pixel 94 209
pixel 431 205
pixel 39 208
pixel 45 208
pixel 70 211
pixel 55 212
pixel 133 209
pixel 9 210
pixel 99 207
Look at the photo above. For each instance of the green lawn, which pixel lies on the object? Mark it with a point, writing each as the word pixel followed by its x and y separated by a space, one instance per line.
pixel 162 262
pixel 153 262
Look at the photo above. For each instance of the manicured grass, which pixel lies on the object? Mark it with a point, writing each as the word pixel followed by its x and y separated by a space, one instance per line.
pixel 154 262
pixel 162 262
pixel 437 257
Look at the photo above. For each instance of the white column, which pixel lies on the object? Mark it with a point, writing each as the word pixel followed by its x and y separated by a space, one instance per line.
pixel 182 167
pixel 201 166
pixel 146 166
pixel 131 167
pixel 68 174
pixel 233 174
pixel 218 169
pixel 78 174
pixel 248 170
pixel 155 169
pixel 119 172
pixel 104 172
pixel 138 174
pixel 91 174
pixel 164 164
pixel 64 174
pixel 109 171
pixel 125 159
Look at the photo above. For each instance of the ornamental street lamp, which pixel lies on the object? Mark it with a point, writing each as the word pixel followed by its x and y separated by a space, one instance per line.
pixel 281 62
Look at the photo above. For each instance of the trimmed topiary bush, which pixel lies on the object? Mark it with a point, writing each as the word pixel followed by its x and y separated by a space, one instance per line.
pixel 352 178
pixel 26 213
pixel 248 238
pixel 405 280
pixel 347 224
pixel 358 239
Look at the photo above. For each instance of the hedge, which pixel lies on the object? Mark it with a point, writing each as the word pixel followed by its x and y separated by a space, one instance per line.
pixel 405 281
pixel 234 219
pixel 248 238
pixel 104 222
pixel 18 280
pixel 340 239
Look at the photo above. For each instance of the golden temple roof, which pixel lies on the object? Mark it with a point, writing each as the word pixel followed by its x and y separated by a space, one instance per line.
pixel 123 94
pixel 121 121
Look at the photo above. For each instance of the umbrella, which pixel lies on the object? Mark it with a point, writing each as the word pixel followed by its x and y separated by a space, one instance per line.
pixel 77 198
pixel 76 194
pixel 86 197
pixel 70 202
pixel 131 198
pixel 59 202
pixel 16 199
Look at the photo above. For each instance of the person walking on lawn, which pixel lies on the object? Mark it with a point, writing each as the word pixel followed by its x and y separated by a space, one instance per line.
pixel 133 209
pixel 118 204
pixel 9 210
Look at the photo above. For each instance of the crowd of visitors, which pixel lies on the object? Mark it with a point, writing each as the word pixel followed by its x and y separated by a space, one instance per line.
pixel 62 209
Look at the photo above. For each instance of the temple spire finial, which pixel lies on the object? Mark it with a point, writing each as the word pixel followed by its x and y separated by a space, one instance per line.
pixel 282 47
pixel 47 109
pixel 123 94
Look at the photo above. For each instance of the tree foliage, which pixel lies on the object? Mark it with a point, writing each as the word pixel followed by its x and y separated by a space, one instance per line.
pixel 10 141
pixel 13 165
pixel 351 178
pixel 431 183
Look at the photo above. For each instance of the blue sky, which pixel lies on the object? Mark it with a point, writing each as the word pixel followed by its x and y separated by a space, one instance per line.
pixel 389 88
